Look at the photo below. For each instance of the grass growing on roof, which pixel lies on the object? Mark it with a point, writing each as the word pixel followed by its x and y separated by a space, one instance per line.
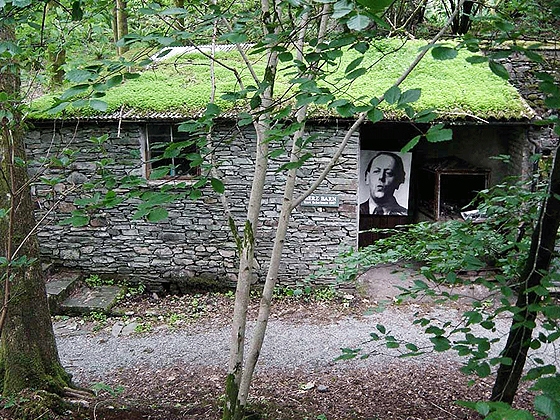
pixel 449 86
pixel 452 87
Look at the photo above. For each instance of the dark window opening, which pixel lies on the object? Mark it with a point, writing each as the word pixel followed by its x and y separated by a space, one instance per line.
pixel 168 148
pixel 447 186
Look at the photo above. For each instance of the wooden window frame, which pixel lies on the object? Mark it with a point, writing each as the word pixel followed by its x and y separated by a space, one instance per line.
pixel 171 137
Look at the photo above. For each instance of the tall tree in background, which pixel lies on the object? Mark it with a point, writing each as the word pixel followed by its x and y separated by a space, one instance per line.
pixel 121 24
pixel 464 14
pixel 180 25
pixel 28 353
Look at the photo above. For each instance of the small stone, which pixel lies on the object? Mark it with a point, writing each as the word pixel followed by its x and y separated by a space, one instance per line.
pixel 307 386
pixel 72 325
pixel 322 388
pixel 117 329
pixel 155 296
pixel 148 350
pixel 129 329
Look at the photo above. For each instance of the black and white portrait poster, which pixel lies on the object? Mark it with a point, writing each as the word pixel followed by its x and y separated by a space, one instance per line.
pixel 384 183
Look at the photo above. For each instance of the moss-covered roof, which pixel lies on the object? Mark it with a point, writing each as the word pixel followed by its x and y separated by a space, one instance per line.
pixel 180 87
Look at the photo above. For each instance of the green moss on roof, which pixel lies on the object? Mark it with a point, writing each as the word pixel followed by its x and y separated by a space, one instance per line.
pixel 455 88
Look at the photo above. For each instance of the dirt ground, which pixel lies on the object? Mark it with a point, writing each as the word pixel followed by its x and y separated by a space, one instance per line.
pixel 397 390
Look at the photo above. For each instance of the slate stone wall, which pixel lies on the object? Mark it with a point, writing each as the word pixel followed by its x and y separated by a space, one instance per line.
pixel 195 244
pixel 523 76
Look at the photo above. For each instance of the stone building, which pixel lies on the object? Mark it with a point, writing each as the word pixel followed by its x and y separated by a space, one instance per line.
pixel 195 244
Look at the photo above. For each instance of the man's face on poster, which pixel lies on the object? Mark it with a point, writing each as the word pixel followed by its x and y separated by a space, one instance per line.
pixel 382 177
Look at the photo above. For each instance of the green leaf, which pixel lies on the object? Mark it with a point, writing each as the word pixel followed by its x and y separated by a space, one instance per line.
pixel 212 110
pixel 551 312
pixel 548 406
pixel 411 95
pixel 504 25
pixel 255 101
pixel 160 172
pixel 392 95
pixel 217 185
pixel 244 119
pixel 482 407
pixel 348 354
pixel 549 87
pixel 98 105
pixel 425 116
pixel 341 8
pixel 361 47
pixel 235 37
pixel 552 102
pixel 80 76
pixel 545 77
pixel 58 108
pixel 354 64
pixel 189 127
pixel 533 56
pixel 157 214
pixel 440 343
pixel 285 56
pixel 356 73
pixel 473 317
pixel 537 372
pixel 408 147
pixel 346 110
pixel 444 53
pixel 338 103
pixel 411 347
pixel 483 370
pixel 477 59
pixel 78 219
pixel 358 22
pixel 437 134
pixel 174 11
pixel 498 69
pixel 375 115
pixel 131 76
pixel 422 285
pixel 74 90
pixel 140 213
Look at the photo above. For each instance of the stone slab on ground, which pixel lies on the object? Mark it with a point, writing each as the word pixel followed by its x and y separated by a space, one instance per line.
pixel 87 300
pixel 59 287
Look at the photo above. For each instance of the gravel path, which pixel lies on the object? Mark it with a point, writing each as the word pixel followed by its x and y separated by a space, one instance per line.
pixel 94 356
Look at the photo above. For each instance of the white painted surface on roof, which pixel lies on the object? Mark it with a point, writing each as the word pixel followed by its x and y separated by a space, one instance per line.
pixel 169 52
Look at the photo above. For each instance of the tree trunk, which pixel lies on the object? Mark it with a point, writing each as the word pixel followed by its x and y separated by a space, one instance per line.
pixel 28 353
pixel 121 24
pixel 180 26
pixel 57 60
pixel 540 255
pixel 234 409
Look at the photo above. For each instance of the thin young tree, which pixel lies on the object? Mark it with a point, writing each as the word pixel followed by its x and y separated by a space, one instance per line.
pixel 241 368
